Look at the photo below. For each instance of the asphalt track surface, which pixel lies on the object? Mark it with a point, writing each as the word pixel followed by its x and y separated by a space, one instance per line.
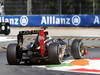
pixel 6 69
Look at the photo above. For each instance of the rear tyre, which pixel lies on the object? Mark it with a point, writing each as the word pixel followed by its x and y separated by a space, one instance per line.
pixel 77 49
pixel 55 53
pixel 12 54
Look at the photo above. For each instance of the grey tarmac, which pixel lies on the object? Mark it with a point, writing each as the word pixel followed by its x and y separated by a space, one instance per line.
pixel 6 69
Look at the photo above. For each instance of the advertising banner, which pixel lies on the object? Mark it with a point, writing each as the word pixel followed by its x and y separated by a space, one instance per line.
pixel 53 20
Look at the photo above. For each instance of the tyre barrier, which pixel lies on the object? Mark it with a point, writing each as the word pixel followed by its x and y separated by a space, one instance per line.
pixel 31 38
pixel 91 39
pixel 80 38
pixel 87 46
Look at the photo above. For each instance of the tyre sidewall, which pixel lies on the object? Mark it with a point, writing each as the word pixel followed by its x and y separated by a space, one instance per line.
pixel 75 49
pixel 53 52
pixel 12 54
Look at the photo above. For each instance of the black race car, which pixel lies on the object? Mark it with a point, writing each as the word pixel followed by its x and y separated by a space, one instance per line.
pixel 42 49
pixel 4 28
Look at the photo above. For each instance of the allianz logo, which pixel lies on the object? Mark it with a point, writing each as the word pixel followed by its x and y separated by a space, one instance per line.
pixel 74 20
pixel 96 20
pixel 23 20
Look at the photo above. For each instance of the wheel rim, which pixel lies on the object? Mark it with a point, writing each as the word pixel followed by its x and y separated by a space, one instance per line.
pixel 61 52
pixel 81 49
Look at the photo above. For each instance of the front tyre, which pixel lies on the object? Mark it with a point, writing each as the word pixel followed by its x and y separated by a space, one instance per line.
pixel 77 49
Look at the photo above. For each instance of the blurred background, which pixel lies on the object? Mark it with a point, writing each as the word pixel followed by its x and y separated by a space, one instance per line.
pixel 29 7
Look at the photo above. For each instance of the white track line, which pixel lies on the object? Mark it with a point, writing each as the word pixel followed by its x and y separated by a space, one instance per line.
pixel 5 39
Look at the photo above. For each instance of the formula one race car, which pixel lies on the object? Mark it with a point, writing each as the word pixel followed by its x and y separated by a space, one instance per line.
pixel 42 49
pixel 4 28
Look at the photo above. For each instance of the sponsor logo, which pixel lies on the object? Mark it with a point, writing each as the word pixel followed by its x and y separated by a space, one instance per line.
pixel 54 20
pixel 15 20
pixel 75 20
pixel 24 20
pixel 96 20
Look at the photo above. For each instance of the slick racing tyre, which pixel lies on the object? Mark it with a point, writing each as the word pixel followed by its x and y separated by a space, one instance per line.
pixel 55 53
pixel 12 55
pixel 77 49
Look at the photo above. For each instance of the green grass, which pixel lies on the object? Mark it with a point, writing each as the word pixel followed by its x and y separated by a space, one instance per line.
pixel 58 65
